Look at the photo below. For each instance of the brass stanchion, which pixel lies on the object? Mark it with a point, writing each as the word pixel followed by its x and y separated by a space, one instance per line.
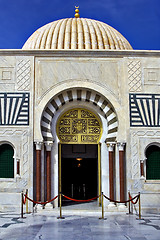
pixel 129 203
pixel 26 201
pixel 99 173
pixel 102 203
pixel 140 217
pixel 22 204
pixel 139 206
pixel 60 207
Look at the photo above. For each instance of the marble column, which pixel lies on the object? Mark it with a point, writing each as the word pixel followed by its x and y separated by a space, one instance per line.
pixel 18 166
pixel 121 171
pixel 48 170
pixel 38 171
pixel 111 171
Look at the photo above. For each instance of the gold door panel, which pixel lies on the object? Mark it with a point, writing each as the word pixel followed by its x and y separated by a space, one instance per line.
pixel 79 126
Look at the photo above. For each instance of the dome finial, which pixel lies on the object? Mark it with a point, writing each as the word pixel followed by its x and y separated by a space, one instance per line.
pixel 77 12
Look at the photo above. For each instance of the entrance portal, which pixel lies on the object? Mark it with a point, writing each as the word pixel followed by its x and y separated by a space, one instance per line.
pixel 79 164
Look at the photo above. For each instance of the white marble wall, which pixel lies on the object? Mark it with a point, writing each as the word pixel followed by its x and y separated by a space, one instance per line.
pixel 17 76
pixel 114 78
pixel 113 74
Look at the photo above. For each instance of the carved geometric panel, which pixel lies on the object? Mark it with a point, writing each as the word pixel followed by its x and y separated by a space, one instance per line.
pixel 152 76
pixel 134 76
pixel 6 73
pixel 23 75
pixel 134 155
pixel 25 150
pixel 144 110
pixel 14 108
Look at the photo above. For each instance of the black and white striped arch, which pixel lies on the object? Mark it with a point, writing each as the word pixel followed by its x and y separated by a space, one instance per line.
pixel 84 95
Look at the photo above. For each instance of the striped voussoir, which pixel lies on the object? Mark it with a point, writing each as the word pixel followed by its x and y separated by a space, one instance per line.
pixel 79 95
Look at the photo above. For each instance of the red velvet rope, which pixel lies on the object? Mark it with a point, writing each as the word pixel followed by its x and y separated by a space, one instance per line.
pixel 111 200
pixel 87 200
pixel 43 203
pixel 76 200
pixel 131 199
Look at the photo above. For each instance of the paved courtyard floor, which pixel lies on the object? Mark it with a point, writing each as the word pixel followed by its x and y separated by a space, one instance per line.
pixel 78 225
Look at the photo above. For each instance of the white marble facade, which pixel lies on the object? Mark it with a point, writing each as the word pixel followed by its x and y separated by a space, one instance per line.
pixel 119 77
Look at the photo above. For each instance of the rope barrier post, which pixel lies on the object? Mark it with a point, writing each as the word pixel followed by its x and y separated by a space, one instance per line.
pixel 26 201
pixel 139 206
pixel 129 203
pixel 60 207
pixel 102 203
pixel 22 204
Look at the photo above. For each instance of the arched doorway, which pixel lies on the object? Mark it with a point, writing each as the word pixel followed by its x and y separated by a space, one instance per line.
pixel 79 131
pixel 54 109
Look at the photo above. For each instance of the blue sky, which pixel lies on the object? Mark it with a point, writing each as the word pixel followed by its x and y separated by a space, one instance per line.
pixel 137 20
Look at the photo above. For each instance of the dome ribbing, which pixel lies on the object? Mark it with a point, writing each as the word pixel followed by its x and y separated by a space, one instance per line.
pixel 77 33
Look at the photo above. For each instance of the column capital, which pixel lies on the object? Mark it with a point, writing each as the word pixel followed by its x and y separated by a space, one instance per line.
pixel 49 146
pixel 143 160
pixel 110 146
pixel 121 145
pixel 38 145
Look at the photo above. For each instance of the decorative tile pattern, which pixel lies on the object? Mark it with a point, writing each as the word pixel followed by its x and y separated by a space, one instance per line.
pixel 144 110
pixel 134 76
pixel 14 108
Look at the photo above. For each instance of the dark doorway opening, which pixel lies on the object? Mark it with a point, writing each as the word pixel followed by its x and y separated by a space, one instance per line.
pixel 79 172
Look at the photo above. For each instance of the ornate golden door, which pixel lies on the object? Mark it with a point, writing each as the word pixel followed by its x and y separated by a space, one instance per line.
pixel 79 126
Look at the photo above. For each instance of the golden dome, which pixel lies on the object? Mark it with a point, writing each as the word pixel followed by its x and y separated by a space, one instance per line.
pixel 77 33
